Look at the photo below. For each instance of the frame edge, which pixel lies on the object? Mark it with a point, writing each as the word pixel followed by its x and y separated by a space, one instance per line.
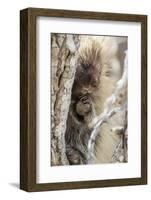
pixel 27 100
pixel 24 99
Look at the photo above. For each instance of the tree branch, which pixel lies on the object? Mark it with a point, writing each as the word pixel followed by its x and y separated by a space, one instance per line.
pixel 115 103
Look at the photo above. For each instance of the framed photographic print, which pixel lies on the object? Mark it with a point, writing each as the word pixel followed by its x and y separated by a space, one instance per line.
pixel 83 93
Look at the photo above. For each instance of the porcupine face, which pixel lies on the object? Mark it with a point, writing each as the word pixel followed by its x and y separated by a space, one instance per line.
pixel 88 72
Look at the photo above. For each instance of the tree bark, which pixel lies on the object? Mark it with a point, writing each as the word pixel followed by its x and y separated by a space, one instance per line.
pixel 64 53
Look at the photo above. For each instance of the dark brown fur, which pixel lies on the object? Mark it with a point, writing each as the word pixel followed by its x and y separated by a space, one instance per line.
pixel 77 132
pixel 81 109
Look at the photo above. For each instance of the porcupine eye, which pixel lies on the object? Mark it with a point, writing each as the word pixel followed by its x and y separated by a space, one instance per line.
pixel 90 75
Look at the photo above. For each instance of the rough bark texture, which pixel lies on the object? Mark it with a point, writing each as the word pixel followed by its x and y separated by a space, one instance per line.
pixel 63 62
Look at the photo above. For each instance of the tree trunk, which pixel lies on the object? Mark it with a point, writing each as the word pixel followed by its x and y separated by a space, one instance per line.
pixel 64 50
